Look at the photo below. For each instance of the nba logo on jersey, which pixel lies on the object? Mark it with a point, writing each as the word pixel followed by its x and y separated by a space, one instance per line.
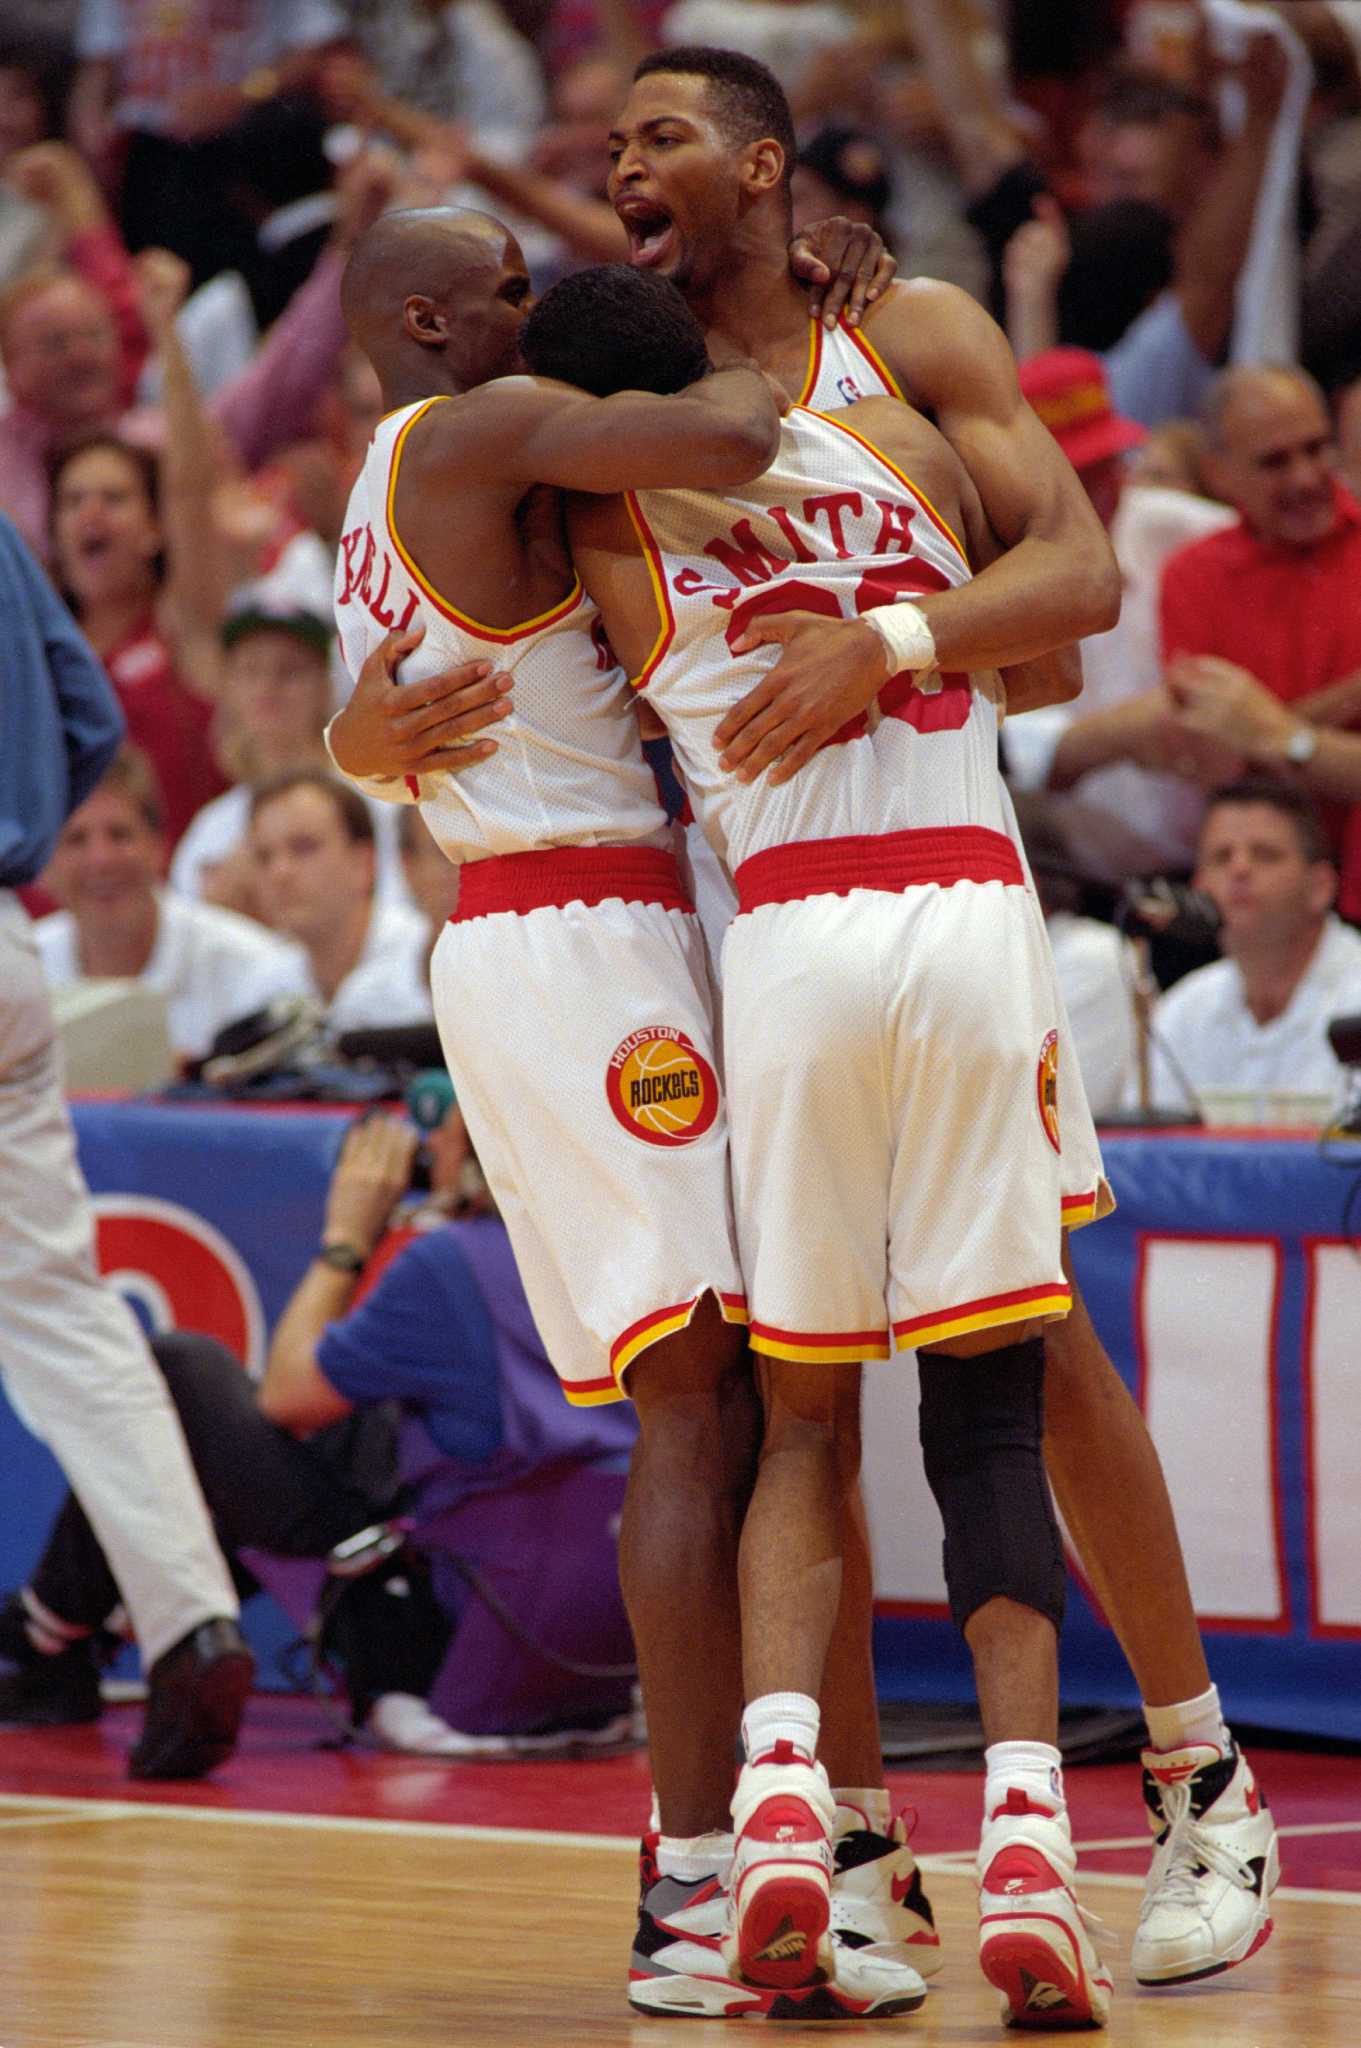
pixel 848 390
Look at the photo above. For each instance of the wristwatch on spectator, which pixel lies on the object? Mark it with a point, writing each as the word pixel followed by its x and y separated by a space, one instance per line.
pixel 342 1257
pixel 1302 744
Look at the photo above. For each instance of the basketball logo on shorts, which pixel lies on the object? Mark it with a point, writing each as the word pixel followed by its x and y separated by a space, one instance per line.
pixel 660 1088
pixel 1047 1088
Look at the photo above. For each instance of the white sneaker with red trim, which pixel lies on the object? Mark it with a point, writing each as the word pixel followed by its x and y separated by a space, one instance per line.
pixel 1034 1939
pixel 1207 1902
pixel 677 1969
pixel 878 1900
pixel 781 1881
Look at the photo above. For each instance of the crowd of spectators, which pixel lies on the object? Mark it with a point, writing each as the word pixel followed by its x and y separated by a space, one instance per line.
pixel 1161 204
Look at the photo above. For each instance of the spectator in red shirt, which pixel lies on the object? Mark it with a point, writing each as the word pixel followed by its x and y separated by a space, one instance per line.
pixel 1275 596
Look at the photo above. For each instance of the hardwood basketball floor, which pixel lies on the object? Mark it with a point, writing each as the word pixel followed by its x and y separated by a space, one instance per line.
pixel 139 1926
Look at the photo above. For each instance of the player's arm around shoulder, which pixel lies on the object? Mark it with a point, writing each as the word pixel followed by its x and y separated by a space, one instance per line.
pixel 949 357
pixel 717 434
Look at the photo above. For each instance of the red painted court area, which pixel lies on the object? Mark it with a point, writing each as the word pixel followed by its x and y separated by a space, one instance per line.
pixel 283 1766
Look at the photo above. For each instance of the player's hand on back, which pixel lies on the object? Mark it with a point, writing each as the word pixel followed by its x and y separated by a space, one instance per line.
pixel 830 671
pixel 392 729
pixel 845 264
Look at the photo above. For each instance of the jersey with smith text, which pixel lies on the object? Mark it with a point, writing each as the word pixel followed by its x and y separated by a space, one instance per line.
pixel 834 528
pixel 569 767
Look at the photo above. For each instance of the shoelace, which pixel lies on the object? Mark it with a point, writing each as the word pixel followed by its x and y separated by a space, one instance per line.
pixel 1190 1846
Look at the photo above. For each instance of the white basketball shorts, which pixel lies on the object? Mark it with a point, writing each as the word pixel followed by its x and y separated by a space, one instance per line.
pixel 572 999
pixel 892 1035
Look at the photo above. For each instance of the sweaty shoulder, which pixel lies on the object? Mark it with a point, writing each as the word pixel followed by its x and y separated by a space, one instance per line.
pixel 926 459
pixel 935 339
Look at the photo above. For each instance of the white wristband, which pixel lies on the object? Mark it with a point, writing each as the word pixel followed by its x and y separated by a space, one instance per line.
pixel 905 633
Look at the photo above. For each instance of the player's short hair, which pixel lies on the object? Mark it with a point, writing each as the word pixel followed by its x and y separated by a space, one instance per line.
pixel 1295 804
pixel 748 100
pixel 131 775
pixel 350 807
pixel 614 328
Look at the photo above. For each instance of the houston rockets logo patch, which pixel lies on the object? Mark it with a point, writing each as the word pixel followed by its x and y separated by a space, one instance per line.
pixel 661 1089
pixel 1047 1088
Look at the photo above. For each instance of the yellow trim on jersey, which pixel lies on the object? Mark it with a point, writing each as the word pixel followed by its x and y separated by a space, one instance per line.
pixel 652 555
pixel 560 610
pixel 596 1400
pixel 818 1354
pixel 810 382
pixel 869 447
pixel 866 347
pixel 1056 1304
pixel 665 1326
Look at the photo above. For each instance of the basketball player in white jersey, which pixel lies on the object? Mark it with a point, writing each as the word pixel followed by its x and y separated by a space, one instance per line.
pixel 571 987
pixel 890 1023
pixel 700 149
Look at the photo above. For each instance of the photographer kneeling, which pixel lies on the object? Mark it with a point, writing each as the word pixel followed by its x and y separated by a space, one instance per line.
pixel 312 1456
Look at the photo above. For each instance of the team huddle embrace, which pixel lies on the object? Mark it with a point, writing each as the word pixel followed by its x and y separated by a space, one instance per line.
pixel 782 1083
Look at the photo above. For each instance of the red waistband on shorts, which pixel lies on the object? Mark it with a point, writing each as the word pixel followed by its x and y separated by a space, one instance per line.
pixel 522 882
pixel 891 861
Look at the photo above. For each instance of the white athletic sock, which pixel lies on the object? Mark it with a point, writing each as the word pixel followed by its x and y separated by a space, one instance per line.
pixel 781 1717
pixel 691 1857
pixel 1035 1768
pixel 1188 1721
pixel 866 1806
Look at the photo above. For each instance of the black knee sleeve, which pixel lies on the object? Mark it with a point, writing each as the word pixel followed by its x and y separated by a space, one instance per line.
pixel 982 1435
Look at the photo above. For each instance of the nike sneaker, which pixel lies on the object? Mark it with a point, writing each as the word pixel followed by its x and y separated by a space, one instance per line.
pixel 878 1899
pixel 1207 1902
pixel 1035 1941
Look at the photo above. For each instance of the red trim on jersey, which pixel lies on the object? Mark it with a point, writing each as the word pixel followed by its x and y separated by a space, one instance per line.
pixel 987 1308
pixel 521 882
pixel 656 568
pixel 502 635
pixel 860 340
pixel 941 525
pixel 891 861
pixel 810 382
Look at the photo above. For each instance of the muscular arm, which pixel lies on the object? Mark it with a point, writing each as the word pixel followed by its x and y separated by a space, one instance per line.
pixel 719 433
pixel 1057 580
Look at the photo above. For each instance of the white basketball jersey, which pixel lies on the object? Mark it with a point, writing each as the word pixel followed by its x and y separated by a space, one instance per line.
pixel 833 527
pixel 842 368
pixel 569 767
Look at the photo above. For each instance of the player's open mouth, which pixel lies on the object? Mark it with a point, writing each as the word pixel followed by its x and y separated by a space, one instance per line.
pixel 651 233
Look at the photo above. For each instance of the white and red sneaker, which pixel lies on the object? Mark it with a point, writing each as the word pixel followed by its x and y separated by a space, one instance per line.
pixel 1034 1943
pixel 677 1969
pixel 781 1879
pixel 878 1900
pixel 1207 1902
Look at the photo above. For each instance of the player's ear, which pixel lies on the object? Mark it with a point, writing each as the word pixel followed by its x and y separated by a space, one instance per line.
pixel 425 321
pixel 763 169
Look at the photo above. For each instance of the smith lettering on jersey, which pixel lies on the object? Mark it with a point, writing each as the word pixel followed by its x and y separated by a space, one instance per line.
pixel 836 529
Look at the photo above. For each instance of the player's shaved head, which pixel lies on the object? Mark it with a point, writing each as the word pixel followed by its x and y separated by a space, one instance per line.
pixel 417 292
pixel 423 251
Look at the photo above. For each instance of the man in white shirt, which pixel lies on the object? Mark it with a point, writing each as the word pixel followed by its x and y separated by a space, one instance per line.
pixel 1258 1018
pixel 1117 752
pixel 311 838
pixel 212 965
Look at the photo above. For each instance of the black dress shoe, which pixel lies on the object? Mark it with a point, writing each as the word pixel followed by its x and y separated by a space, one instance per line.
pixel 197 1693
